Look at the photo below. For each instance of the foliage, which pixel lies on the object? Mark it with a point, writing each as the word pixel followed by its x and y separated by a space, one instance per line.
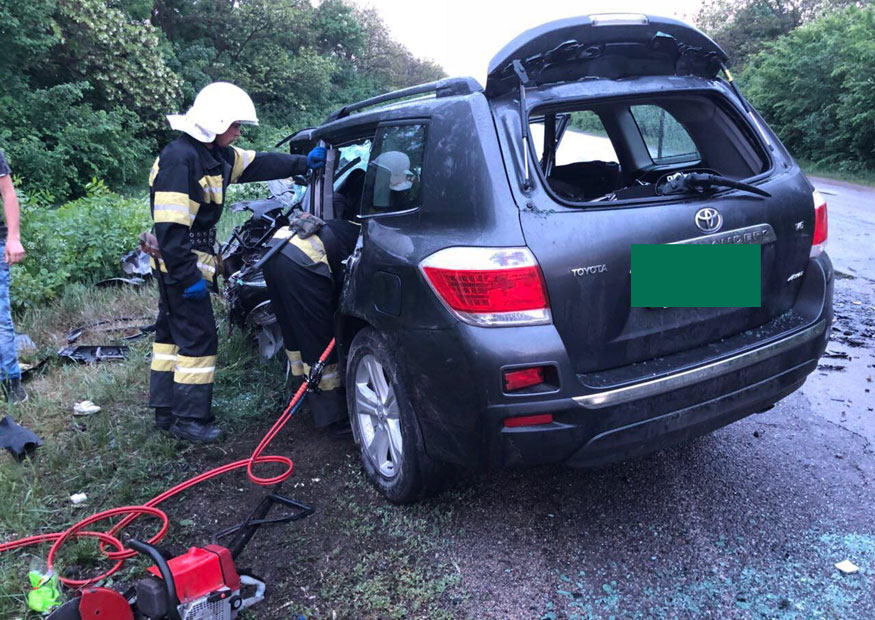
pixel 815 87
pixel 87 83
pixel 743 27
pixel 83 91
pixel 54 139
pixel 122 59
pixel 81 241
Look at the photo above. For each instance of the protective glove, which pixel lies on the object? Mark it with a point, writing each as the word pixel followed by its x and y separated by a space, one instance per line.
pixel 306 224
pixel 198 290
pixel 316 158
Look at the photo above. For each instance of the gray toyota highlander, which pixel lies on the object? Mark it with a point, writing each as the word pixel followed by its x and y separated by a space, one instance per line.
pixel 486 317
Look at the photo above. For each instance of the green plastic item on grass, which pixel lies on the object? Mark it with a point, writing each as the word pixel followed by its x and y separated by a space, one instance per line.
pixel 44 593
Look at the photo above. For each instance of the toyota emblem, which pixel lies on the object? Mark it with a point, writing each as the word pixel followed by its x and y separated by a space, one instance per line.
pixel 709 220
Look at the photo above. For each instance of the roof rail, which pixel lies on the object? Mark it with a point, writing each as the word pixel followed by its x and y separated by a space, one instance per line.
pixel 448 87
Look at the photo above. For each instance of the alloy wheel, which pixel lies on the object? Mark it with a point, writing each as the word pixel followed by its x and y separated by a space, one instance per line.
pixel 378 417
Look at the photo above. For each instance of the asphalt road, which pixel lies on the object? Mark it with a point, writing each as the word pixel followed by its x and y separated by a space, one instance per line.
pixel 747 522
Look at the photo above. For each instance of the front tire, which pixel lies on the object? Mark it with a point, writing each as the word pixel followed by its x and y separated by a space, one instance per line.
pixel 384 423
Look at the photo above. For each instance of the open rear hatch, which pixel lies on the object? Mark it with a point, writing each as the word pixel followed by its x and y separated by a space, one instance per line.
pixel 584 248
pixel 604 46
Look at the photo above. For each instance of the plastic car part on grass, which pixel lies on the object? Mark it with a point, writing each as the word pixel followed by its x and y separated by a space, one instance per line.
pixel 20 441
pixel 92 354
pixel 135 282
pixel 123 324
pixel 136 263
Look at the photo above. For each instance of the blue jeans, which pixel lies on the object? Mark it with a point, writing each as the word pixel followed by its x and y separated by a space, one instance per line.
pixel 8 355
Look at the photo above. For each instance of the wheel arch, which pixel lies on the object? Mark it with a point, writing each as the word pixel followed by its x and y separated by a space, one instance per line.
pixel 346 328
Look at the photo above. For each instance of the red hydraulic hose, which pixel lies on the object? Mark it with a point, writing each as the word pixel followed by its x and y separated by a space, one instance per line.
pixel 133 512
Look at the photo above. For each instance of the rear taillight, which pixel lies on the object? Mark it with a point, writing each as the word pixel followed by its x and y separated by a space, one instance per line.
pixel 818 242
pixel 489 287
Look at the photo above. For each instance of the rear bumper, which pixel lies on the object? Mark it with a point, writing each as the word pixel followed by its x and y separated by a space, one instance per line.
pixel 461 407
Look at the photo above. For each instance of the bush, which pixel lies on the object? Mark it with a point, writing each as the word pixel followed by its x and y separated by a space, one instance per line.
pixel 81 241
pixel 815 87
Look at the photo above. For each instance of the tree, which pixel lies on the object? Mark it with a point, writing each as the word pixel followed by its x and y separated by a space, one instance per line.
pixel 87 83
pixel 743 27
pixel 84 88
pixel 123 61
pixel 815 87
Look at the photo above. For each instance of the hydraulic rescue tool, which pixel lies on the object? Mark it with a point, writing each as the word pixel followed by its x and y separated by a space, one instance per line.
pixel 201 584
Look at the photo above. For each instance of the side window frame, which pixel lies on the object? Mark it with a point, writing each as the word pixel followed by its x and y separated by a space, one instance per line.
pixel 315 194
pixel 339 144
pixel 425 122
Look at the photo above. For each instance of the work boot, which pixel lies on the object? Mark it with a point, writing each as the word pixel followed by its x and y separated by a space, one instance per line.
pixel 194 430
pixel 14 391
pixel 164 418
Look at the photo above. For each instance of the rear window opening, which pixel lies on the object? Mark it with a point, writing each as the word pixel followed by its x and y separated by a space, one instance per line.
pixel 624 149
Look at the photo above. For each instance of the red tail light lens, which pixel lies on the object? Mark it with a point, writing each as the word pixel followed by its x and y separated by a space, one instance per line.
pixel 818 242
pixel 519 379
pixel 489 287
pixel 481 290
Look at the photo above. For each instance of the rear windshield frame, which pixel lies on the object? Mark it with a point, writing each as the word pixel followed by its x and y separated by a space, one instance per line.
pixel 745 126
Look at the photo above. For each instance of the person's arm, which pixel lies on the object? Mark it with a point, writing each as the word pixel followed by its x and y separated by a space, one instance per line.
pixel 173 212
pixel 14 249
pixel 251 166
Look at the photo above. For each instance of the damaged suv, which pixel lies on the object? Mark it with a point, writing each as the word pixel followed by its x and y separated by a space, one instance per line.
pixel 486 316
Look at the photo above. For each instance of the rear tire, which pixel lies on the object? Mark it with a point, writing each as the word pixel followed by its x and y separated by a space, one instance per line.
pixel 384 423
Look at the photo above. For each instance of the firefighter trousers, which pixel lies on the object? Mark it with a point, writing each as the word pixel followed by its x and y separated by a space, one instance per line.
pixel 184 354
pixel 304 302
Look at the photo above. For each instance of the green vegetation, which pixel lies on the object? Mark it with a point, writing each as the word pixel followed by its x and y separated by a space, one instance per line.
pixel 815 87
pixel 806 66
pixel 86 83
pixel 860 177
pixel 744 27
pixel 81 241
pixel 357 557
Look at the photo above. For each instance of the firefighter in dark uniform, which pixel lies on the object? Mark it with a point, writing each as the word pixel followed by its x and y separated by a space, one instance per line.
pixel 304 281
pixel 187 189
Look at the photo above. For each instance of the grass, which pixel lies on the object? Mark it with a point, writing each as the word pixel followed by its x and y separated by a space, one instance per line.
pixel 383 561
pixel 860 177
pixel 114 457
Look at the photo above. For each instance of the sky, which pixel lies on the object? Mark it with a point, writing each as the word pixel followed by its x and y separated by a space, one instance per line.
pixel 463 35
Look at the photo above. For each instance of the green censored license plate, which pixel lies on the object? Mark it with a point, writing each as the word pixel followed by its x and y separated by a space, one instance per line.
pixel 696 276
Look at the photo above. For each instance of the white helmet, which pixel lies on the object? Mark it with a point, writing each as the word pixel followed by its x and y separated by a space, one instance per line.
pixel 217 106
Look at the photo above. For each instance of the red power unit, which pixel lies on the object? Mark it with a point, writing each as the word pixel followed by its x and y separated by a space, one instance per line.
pixel 203 585
pixel 203 571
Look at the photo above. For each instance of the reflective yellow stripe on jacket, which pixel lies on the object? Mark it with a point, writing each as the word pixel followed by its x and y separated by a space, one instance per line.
pixel 212 186
pixel 242 159
pixel 175 208
pixel 309 252
pixel 207 264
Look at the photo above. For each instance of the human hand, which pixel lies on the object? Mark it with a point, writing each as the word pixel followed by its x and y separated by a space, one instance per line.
pixel 14 251
pixel 316 158
pixel 198 290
